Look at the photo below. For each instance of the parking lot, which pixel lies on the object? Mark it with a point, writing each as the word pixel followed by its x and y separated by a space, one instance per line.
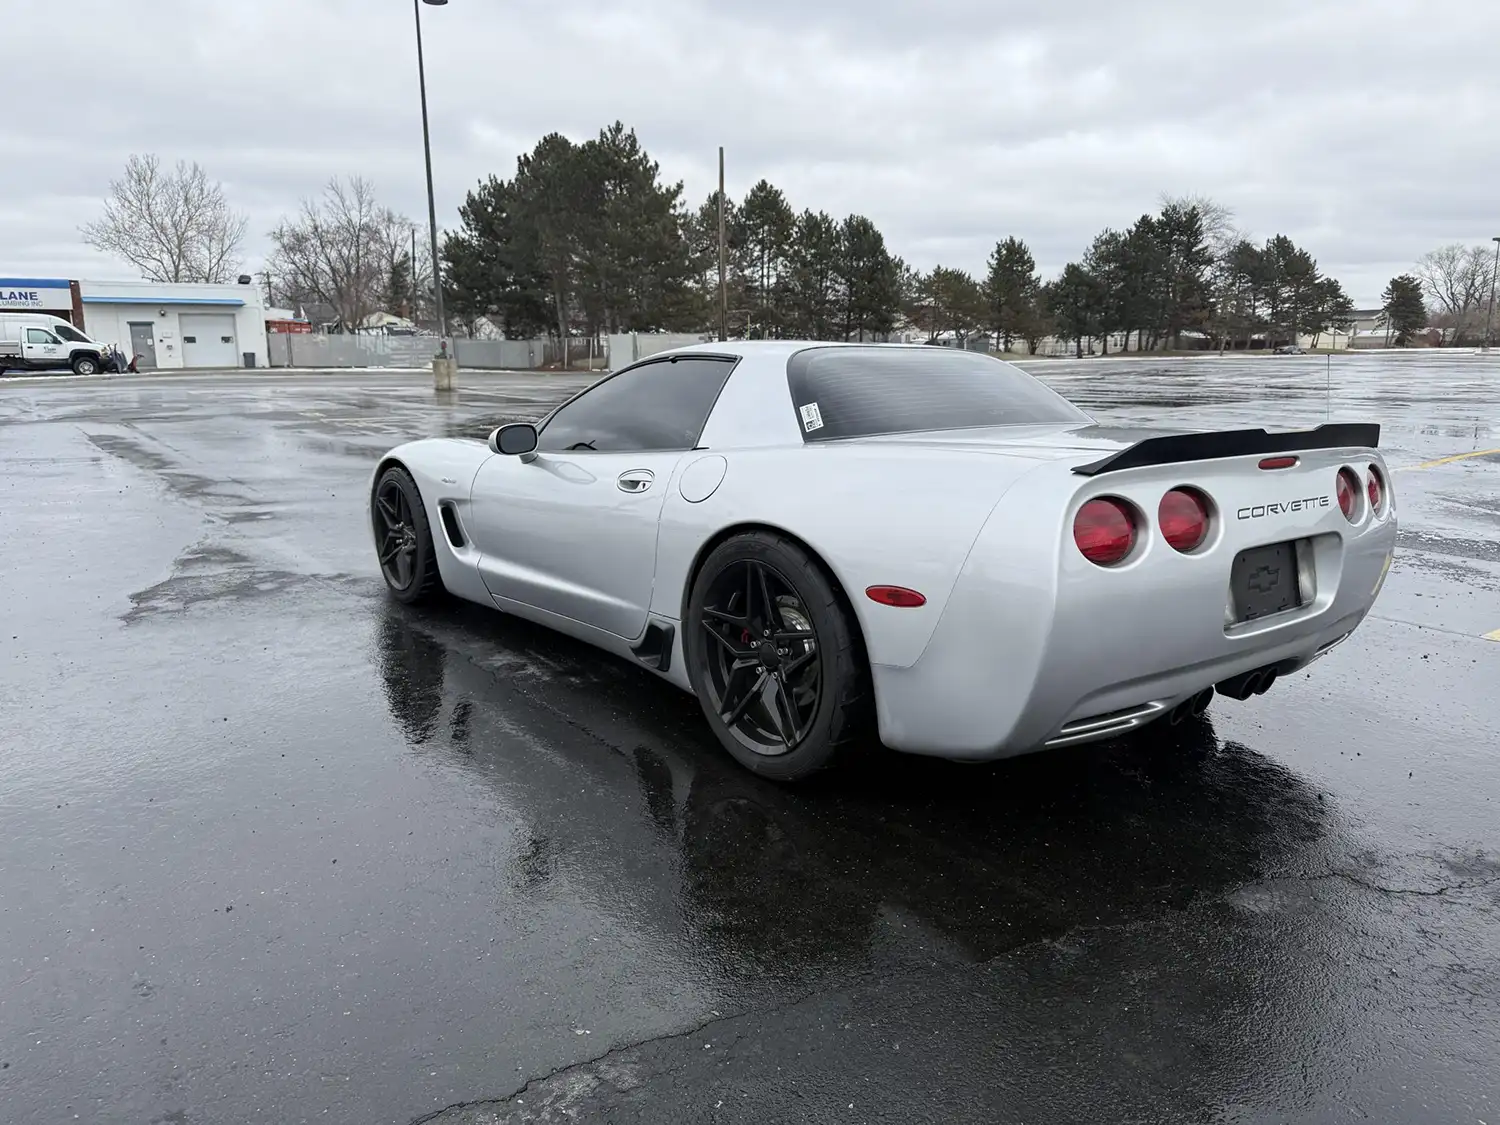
pixel 277 849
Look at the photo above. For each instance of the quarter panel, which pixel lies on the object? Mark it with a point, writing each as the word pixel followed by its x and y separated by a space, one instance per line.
pixel 874 515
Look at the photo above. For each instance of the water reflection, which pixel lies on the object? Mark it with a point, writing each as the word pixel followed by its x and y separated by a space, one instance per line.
pixel 801 881
pixel 902 866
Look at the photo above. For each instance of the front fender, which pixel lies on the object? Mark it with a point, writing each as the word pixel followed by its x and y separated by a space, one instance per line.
pixel 444 470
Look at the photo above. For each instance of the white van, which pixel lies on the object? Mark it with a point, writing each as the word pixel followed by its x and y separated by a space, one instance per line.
pixel 41 342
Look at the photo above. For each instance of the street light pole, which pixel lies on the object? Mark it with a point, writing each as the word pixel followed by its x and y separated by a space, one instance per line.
pixel 1494 273
pixel 437 273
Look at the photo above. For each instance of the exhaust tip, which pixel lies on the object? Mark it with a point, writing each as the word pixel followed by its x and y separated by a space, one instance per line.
pixel 1264 684
pixel 1201 701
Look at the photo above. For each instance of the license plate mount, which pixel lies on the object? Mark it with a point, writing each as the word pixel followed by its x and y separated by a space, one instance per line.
pixel 1263 581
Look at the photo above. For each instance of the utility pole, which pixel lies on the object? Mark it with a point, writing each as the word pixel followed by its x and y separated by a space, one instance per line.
pixel 1490 313
pixel 723 254
pixel 437 270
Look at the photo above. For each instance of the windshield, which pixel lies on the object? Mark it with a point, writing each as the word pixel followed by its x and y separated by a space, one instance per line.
pixel 861 392
pixel 71 334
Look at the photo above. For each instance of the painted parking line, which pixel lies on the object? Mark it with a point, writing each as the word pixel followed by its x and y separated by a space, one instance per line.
pixel 1447 460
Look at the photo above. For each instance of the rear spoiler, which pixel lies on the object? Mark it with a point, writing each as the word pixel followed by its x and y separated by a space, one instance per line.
pixel 1233 443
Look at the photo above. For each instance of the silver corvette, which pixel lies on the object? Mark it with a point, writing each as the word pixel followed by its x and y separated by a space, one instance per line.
pixel 829 543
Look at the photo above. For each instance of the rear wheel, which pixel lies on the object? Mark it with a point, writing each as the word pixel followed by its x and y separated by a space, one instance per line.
pixel 403 538
pixel 775 658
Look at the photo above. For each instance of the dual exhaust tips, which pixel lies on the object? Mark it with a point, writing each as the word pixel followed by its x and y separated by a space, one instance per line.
pixel 1243 686
pixel 1255 682
pixel 1191 707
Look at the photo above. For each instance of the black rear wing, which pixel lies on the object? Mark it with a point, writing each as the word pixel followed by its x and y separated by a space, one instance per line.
pixel 1233 443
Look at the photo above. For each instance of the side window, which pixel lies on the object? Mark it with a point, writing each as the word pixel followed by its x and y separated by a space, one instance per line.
pixel 660 405
pixel 39 336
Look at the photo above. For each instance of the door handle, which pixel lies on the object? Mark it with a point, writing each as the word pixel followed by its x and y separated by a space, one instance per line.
pixel 636 480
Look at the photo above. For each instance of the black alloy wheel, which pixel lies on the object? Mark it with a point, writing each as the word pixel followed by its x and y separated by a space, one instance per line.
pixel 764 677
pixel 774 658
pixel 403 537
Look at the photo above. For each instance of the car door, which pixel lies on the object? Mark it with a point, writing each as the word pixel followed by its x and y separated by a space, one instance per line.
pixel 44 349
pixel 572 529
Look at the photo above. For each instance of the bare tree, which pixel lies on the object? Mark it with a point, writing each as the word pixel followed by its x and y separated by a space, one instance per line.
pixel 1220 230
pixel 172 226
pixel 1457 278
pixel 340 252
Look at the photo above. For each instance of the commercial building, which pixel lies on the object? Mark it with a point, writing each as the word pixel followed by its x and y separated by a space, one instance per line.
pixel 166 325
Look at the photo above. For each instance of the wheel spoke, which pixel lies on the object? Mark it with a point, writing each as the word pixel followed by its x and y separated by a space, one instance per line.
pixel 749 606
pixel 727 645
pixel 388 512
pixel 390 551
pixel 727 618
pixel 771 621
pixel 800 662
pixel 403 567
pixel 783 710
pixel 731 717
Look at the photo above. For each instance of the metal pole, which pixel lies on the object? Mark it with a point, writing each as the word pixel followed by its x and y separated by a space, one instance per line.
pixel 437 275
pixel 723 244
pixel 1490 313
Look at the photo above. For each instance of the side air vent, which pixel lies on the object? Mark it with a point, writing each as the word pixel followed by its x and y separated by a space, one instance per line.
pixel 655 649
pixel 451 526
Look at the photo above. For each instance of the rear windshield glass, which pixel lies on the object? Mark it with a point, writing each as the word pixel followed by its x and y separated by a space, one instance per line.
pixel 860 392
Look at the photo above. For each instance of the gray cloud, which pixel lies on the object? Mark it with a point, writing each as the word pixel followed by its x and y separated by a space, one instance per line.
pixel 1362 128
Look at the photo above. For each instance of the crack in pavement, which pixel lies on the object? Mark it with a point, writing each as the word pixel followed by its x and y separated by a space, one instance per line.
pixel 619 1048
pixel 625 1080
pixel 1369 886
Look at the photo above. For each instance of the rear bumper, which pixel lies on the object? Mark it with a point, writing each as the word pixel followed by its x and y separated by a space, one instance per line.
pixel 1014 667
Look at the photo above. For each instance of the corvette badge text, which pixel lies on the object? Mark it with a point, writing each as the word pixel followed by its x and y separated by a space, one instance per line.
pixel 1282 508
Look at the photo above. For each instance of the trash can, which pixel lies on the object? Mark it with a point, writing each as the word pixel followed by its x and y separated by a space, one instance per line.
pixel 249 359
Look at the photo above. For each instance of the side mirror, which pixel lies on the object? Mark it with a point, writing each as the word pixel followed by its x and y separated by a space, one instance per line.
pixel 516 439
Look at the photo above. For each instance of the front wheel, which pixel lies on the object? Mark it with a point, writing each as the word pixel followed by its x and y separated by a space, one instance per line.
pixel 85 365
pixel 403 538
pixel 775 658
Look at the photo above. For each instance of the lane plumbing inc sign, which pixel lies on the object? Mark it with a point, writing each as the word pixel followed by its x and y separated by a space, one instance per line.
pixel 33 294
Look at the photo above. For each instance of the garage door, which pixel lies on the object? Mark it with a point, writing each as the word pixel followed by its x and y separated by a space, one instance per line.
pixel 208 341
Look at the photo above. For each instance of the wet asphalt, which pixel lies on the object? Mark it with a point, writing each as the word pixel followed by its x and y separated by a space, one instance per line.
pixel 273 848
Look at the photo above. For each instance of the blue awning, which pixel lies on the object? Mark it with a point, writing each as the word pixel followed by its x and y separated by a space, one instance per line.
pixel 33 283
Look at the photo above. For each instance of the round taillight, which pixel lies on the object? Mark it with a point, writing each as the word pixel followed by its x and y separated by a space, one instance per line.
pixel 1377 490
pixel 1348 490
pixel 1104 530
pixel 1183 518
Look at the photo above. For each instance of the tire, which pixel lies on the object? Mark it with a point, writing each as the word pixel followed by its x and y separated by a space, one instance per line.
pixel 85 365
pixel 403 538
pixel 821 702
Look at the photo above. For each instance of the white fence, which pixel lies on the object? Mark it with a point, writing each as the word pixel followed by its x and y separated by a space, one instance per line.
pixel 501 355
pixel 292 349
pixel 628 347
pixel 313 350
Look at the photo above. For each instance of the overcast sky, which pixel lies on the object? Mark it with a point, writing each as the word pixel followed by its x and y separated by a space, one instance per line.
pixel 1367 130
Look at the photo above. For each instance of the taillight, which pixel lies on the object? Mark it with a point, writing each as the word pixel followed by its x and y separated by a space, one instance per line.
pixel 1377 490
pixel 1104 530
pixel 1348 490
pixel 1183 517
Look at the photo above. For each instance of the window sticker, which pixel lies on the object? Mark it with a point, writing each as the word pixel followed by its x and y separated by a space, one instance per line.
pixel 812 418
